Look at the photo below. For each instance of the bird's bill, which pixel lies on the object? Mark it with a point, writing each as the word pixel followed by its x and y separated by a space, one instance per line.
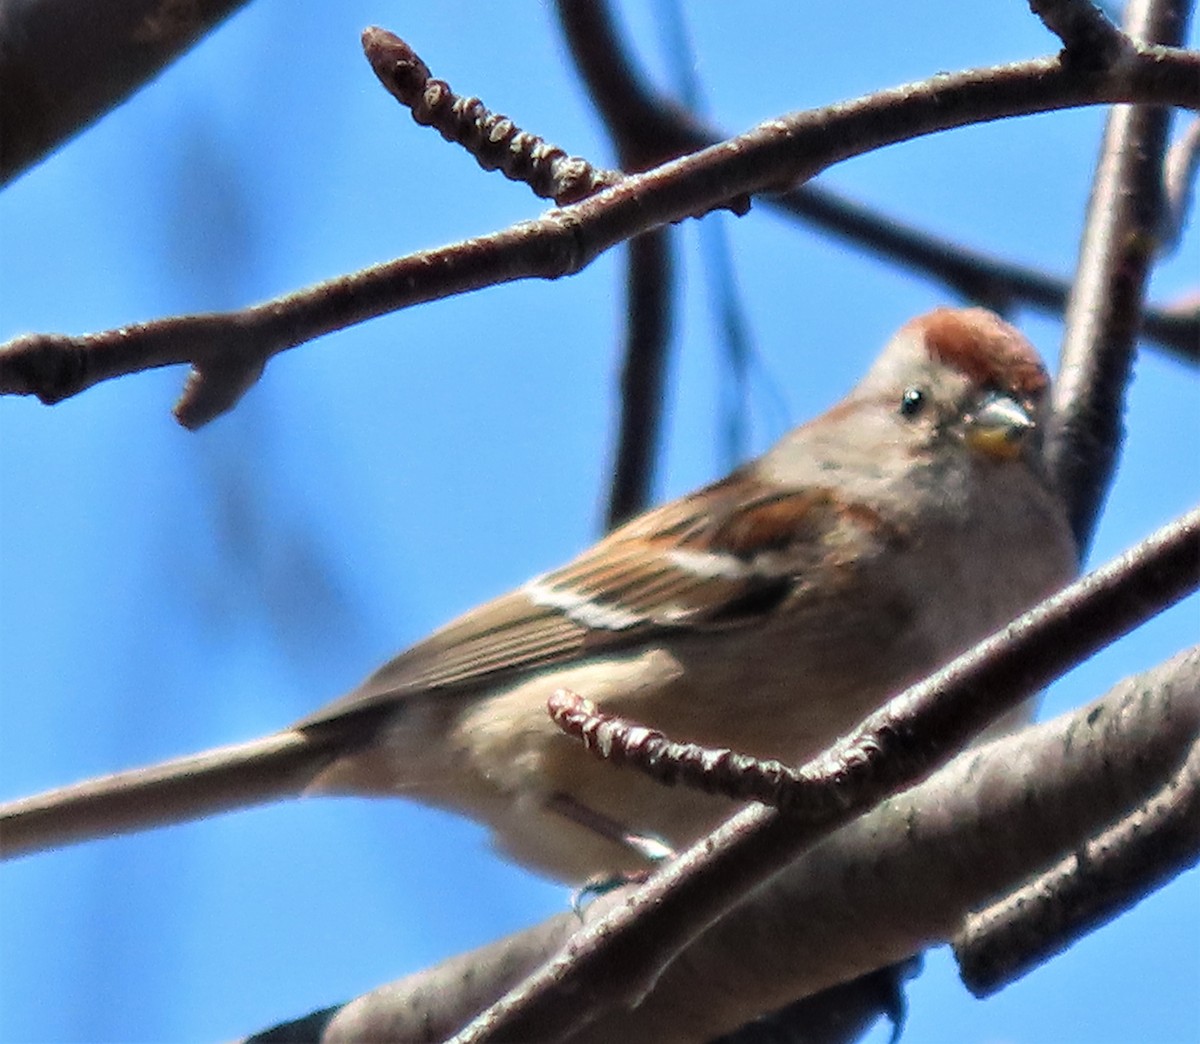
pixel 1000 427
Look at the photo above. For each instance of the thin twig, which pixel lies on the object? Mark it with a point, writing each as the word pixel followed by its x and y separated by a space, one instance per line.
pixel 616 960
pixel 494 140
pixel 896 739
pixel 612 85
pixel 1104 313
pixel 716 770
pixel 564 241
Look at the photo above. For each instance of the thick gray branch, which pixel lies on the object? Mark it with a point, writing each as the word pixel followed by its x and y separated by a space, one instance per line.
pixel 899 879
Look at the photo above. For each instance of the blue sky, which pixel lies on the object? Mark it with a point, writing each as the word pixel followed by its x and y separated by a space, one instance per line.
pixel 163 591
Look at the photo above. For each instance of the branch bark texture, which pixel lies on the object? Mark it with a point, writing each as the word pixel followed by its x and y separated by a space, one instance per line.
pixel 897 880
pixel 1120 241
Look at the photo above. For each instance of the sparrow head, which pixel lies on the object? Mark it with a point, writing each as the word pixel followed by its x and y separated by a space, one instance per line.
pixel 965 375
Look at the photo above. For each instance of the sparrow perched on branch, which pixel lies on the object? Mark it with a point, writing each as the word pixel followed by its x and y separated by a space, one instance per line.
pixel 768 612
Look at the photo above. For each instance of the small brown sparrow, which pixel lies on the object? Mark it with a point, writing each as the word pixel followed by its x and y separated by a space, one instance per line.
pixel 768 612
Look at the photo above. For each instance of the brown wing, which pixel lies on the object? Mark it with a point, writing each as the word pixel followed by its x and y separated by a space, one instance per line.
pixel 716 558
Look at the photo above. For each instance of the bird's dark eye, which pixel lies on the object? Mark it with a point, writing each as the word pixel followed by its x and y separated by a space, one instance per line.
pixel 912 402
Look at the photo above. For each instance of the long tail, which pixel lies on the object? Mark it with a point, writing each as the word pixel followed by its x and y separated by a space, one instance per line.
pixel 216 780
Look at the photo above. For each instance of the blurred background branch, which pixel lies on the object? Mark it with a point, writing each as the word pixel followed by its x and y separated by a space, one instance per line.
pixel 65 64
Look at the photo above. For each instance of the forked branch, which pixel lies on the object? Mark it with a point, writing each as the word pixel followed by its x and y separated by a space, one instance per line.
pixel 779 151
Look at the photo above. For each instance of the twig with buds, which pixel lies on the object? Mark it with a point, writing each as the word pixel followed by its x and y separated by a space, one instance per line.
pixel 494 140
pixel 902 742
pixel 906 738
pixel 228 350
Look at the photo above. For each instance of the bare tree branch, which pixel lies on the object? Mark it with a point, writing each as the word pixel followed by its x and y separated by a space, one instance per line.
pixel 1104 313
pixel 616 960
pixel 1088 36
pixel 648 280
pixel 656 129
pixel 786 149
pixel 840 1014
pixel 496 143
pixel 601 65
pixel 1179 184
pixel 64 64
pixel 1093 885
pixel 891 883
pixel 494 140
pixel 631 112
pixel 973 274
pixel 897 737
